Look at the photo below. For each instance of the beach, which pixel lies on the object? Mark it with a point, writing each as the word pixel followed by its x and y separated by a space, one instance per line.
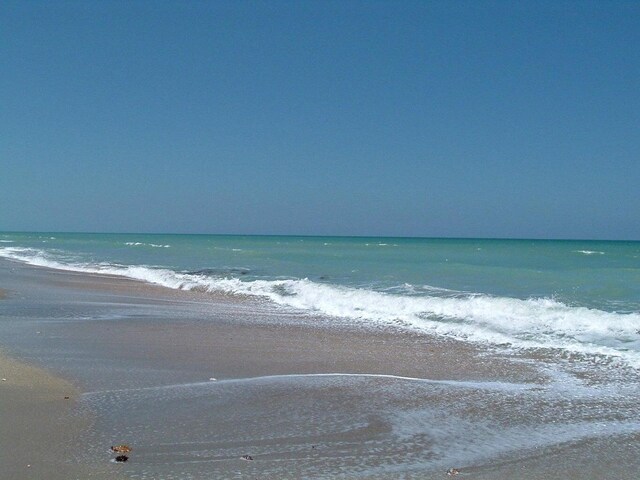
pixel 368 240
pixel 195 381
pixel 319 240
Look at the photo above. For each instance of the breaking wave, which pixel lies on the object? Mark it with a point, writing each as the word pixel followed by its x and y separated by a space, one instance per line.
pixel 526 323
pixel 141 244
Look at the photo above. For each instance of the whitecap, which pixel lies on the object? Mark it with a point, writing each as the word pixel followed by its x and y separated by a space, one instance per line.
pixel 525 323
pixel 141 244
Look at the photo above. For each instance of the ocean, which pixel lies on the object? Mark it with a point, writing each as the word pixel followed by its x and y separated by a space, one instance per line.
pixel 560 297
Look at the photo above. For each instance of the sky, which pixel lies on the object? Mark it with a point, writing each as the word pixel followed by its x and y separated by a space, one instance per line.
pixel 393 118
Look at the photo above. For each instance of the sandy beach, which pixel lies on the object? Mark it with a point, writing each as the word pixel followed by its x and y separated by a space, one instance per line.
pixel 194 382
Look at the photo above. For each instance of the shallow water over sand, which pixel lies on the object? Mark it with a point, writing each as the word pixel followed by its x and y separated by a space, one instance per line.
pixel 349 426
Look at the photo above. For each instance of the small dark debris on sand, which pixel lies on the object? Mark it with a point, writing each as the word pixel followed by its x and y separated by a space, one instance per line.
pixel 247 457
pixel 121 458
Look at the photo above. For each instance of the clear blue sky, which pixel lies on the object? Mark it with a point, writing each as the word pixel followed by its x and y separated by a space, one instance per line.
pixel 473 119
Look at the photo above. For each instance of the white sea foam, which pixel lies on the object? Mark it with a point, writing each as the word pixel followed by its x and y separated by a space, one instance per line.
pixel 141 244
pixel 487 385
pixel 6 241
pixel 528 323
pixel 589 252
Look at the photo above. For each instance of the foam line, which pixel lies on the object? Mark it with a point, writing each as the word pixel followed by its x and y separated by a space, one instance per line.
pixel 500 386
pixel 520 323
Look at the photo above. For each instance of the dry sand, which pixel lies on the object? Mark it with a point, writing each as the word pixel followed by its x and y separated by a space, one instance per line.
pixel 39 429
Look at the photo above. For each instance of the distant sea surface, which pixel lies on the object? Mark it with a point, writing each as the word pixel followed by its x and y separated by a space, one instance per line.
pixel 578 297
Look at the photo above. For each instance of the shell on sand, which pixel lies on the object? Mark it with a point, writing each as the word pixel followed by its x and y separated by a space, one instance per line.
pixel 121 448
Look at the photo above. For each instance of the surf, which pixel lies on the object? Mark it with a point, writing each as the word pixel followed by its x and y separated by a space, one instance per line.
pixel 472 316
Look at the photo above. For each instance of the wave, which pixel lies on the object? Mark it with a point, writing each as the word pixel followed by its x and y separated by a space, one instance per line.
pixel 141 244
pixel 525 323
pixel 589 252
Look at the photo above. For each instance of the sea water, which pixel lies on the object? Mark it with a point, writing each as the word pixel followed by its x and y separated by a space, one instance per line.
pixel 566 296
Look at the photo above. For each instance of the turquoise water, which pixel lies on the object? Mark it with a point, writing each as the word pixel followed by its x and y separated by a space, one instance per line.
pixel 581 296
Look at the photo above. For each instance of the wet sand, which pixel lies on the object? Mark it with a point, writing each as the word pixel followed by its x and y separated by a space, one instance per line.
pixel 305 397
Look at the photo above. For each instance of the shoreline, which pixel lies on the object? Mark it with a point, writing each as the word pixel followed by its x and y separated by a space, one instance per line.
pixel 305 343
pixel 306 399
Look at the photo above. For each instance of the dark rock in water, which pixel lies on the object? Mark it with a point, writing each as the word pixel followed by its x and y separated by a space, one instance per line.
pixel 121 458
pixel 453 471
pixel 247 457
pixel 220 272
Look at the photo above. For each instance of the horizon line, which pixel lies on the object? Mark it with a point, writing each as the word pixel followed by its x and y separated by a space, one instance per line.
pixel 408 237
